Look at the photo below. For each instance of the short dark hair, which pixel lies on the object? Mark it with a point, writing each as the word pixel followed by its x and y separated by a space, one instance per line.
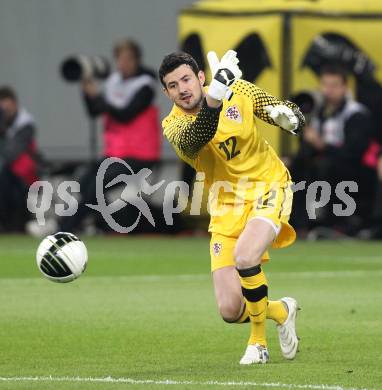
pixel 7 92
pixel 173 61
pixel 335 69
pixel 127 44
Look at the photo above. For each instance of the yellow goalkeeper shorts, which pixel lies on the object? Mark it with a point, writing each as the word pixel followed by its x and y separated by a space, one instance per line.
pixel 274 207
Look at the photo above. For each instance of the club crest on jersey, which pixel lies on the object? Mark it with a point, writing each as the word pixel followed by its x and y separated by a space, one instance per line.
pixel 233 113
pixel 217 247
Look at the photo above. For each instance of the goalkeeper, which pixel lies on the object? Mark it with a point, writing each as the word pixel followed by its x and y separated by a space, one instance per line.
pixel 214 130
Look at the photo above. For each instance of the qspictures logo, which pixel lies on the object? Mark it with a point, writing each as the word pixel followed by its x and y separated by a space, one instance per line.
pixel 177 195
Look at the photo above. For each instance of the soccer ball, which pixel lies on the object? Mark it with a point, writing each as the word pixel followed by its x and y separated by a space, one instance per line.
pixel 62 257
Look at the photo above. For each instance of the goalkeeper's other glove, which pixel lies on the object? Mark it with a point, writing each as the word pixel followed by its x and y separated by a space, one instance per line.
pixel 224 72
pixel 284 117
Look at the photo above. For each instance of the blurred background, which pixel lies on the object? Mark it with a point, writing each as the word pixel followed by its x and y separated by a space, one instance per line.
pixel 37 36
pixel 78 83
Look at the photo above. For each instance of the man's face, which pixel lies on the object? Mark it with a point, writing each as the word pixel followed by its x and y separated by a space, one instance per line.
pixel 184 88
pixel 333 88
pixel 8 107
pixel 126 63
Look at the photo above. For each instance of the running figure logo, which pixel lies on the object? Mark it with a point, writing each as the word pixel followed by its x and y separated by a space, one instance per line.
pixel 136 182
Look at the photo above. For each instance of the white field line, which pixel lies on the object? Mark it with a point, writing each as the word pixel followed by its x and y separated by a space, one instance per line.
pixel 175 382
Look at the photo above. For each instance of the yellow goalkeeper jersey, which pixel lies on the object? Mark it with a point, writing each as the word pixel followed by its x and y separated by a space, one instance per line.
pixel 225 143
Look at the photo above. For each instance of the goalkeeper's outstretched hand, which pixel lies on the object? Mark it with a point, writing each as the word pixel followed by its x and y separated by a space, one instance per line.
pixel 284 117
pixel 224 72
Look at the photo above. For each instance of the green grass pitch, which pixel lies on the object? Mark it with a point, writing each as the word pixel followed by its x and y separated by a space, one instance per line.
pixel 144 312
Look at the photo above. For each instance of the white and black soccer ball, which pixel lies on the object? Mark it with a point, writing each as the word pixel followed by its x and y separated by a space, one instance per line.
pixel 62 257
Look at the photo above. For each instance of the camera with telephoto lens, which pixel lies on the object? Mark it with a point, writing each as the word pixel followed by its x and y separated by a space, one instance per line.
pixel 308 102
pixel 80 67
pixel 335 48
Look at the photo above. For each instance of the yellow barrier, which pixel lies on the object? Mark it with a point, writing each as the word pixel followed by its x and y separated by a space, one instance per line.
pixel 274 37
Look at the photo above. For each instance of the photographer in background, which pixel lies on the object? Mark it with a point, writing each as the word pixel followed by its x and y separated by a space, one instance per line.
pixel 130 119
pixel 333 144
pixel 373 158
pixel 131 128
pixel 17 160
pixel 376 231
